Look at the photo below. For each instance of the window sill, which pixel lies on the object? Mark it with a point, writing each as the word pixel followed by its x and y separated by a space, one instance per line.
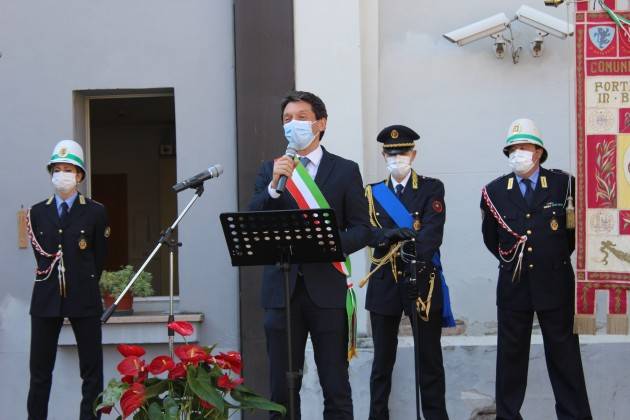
pixel 139 328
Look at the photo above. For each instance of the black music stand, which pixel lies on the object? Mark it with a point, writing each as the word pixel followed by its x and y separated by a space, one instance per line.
pixel 283 237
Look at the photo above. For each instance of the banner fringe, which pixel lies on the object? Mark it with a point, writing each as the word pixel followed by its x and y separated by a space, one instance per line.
pixel 584 324
pixel 617 324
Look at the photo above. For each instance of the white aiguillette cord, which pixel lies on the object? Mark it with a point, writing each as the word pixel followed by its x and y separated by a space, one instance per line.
pixel 57 258
pixel 518 248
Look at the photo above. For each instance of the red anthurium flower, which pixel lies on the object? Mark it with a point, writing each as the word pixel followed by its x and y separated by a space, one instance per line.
pixel 107 409
pixel 230 360
pixel 161 364
pixel 182 328
pixel 225 382
pixel 142 376
pixel 132 399
pixel 131 366
pixel 128 379
pixel 204 404
pixel 179 371
pixel 130 350
pixel 191 353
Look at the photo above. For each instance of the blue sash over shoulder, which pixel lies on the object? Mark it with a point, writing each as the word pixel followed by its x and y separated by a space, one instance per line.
pixel 400 215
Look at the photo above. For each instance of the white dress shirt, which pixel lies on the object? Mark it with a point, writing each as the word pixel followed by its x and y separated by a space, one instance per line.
pixel 314 159
pixel 403 182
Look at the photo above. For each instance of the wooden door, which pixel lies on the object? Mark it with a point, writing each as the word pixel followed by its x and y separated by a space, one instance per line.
pixel 111 191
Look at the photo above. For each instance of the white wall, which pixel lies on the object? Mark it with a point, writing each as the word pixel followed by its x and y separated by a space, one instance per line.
pixel 50 49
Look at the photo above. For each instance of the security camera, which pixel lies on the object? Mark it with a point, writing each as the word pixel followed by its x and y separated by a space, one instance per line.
pixel 499 45
pixel 481 29
pixel 537 44
pixel 544 22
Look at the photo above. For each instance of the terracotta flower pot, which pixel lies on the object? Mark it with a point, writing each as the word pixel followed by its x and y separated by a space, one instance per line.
pixel 125 307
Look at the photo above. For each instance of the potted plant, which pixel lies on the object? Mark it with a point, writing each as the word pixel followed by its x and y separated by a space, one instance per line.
pixel 202 385
pixel 112 284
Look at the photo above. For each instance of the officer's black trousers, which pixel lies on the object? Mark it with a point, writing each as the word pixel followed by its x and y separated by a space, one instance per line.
pixel 432 384
pixel 562 353
pixel 329 335
pixel 44 338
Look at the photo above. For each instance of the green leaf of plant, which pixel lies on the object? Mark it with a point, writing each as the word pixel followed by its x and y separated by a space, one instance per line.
pixel 172 409
pixel 250 400
pixel 155 412
pixel 156 389
pixel 200 383
pixel 111 395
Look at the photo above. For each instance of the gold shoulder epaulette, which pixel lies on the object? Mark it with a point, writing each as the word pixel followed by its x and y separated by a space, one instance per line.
pixel 371 207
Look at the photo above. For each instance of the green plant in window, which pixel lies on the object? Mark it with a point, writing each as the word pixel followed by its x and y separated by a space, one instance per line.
pixel 113 282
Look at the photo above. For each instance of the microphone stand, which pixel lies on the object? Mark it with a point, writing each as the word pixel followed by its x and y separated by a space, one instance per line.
pixel 165 239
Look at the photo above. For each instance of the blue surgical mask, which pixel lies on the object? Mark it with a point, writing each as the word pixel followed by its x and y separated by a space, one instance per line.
pixel 299 134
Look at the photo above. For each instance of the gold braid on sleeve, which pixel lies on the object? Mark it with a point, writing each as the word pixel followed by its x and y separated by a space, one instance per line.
pixel 390 257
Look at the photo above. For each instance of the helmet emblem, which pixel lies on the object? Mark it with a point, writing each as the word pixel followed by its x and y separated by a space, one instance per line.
pixel 394 134
pixel 516 128
pixel 63 152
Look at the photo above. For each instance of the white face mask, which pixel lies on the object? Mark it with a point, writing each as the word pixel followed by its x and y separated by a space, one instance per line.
pixel 64 182
pixel 521 161
pixel 299 133
pixel 398 165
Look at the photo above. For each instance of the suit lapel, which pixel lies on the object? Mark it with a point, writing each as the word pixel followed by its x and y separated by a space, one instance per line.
pixel 326 166
pixel 52 214
pixel 407 195
pixel 540 193
pixel 515 194
pixel 77 210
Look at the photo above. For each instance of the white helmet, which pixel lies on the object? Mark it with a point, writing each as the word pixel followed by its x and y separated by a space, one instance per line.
pixel 67 151
pixel 524 131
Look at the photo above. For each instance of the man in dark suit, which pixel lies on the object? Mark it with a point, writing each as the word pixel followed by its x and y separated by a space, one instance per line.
pixel 389 292
pixel 525 227
pixel 318 291
pixel 69 236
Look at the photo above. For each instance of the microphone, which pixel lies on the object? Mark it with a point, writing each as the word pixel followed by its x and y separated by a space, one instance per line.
pixel 282 182
pixel 195 181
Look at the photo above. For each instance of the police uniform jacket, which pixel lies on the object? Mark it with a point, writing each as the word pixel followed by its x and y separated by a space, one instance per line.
pixel 546 278
pixel 425 203
pixel 82 237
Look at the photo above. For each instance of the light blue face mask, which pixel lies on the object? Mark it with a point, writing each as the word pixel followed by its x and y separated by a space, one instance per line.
pixel 299 134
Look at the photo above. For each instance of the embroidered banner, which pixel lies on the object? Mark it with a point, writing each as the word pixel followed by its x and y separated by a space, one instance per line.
pixel 603 157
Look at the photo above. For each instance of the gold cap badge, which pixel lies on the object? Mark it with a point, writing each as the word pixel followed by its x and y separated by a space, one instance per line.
pixel 394 134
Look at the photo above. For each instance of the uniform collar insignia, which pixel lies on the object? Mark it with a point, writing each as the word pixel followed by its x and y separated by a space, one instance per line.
pixel 50 200
pixel 543 181
pixel 510 183
pixel 81 199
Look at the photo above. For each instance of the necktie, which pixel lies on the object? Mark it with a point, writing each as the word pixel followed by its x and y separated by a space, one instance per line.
pixel 529 192
pixel 304 160
pixel 64 211
pixel 399 190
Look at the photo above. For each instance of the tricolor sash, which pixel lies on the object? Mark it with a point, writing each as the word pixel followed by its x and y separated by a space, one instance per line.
pixel 402 218
pixel 307 195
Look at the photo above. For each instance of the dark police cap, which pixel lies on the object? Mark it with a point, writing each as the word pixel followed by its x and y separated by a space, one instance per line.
pixel 397 138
